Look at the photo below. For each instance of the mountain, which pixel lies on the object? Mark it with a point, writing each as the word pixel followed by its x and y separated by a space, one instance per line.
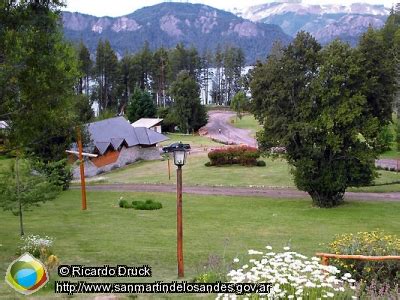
pixel 168 24
pixel 324 22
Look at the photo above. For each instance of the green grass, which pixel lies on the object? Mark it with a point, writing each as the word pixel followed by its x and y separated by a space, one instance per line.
pixel 383 183
pixel 246 122
pixel 213 225
pixel 5 162
pixel 275 174
pixel 392 154
pixel 193 140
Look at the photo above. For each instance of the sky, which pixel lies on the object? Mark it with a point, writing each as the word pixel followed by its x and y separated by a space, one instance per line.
pixel 115 8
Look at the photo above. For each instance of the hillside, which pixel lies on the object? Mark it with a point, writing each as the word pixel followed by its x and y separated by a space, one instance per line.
pixel 167 24
pixel 325 22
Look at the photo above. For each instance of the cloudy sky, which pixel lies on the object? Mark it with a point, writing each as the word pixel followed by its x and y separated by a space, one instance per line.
pixel 115 8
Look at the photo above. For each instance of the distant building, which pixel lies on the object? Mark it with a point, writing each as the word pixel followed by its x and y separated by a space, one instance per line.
pixel 149 123
pixel 116 143
pixel 3 125
pixel 3 128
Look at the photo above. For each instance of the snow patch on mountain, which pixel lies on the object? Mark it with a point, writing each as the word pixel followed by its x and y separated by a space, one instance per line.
pixel 260 12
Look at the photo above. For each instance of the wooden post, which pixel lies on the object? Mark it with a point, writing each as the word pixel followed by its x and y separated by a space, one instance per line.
pixel 179 222
pixel 169 169
pixel 325 261
pixel 82 169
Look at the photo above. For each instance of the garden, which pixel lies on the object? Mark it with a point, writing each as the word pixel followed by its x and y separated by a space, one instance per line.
pixel 217 231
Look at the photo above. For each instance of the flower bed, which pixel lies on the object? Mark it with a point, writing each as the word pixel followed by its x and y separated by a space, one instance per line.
pixel 375 243
pixel 292 276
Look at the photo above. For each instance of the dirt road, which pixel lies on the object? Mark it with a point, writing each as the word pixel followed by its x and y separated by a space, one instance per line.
pixel 235 191
pixel 220 128
pixel 391 164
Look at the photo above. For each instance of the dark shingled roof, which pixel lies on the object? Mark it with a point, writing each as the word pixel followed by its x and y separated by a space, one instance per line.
pixel 115 131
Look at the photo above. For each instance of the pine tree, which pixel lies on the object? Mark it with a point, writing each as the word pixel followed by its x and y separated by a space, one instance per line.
pixel 327 108
pixel 187 108
pixel 85 68
pixel 37 78
pixel 106 72
pixel 140 106
pixel 161 73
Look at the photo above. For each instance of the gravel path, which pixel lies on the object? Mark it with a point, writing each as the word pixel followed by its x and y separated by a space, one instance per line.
pixel 229 134
pixel 391 164
pixel 235 191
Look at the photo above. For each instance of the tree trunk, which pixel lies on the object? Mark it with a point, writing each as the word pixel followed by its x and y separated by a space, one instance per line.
pixel 327 199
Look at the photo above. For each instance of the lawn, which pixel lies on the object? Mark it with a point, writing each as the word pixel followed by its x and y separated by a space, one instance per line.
pixel 213 225
pixel 195 141
pixel 275 174
pixel 5 163
pixel 246 122
pixel 391 154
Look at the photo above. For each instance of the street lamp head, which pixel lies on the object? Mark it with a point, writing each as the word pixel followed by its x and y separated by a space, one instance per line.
pixel 179 155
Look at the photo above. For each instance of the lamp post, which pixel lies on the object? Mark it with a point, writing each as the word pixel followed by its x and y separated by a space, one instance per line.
pixel 179 161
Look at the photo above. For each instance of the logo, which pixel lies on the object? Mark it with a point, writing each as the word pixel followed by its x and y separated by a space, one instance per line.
pixel 26 274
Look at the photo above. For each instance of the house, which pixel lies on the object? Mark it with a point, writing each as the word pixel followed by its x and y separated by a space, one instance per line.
pixel 3 125
pixel 3 128
pixel 150 123
pixel 116 143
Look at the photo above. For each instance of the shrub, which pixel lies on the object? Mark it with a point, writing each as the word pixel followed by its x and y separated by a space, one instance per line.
pixel 292 276
pixel 243 155
pixel 375 243
pixel 208 164
pixel 147 205
pixel 128 205
pixel 261 163
pixel 58 173
pixel 122 203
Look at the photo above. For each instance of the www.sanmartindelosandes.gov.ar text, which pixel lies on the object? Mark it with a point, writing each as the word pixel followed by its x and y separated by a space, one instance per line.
pixel 159 287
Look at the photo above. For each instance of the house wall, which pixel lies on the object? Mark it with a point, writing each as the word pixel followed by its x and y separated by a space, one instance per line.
pixel 125 156
pixel 156 128
pixel 108 158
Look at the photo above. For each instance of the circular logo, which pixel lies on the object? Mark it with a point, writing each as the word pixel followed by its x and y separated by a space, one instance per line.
pixel 26 274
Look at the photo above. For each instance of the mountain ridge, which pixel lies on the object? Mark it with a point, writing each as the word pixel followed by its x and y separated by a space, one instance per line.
pixel 324 22
pixel 167 24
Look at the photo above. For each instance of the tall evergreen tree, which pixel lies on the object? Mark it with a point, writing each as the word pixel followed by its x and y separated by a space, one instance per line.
pixel 218 82
pixel 141 106
pixel 85 65
pixel 328 108
pixel 161 73
pixel 189 112
pixel 38 72
pixel 146 62
pixel 106 72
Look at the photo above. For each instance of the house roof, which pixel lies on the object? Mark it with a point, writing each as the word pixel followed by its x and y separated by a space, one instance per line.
pixel 147 122
pixel 3 125
pixel 116 131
